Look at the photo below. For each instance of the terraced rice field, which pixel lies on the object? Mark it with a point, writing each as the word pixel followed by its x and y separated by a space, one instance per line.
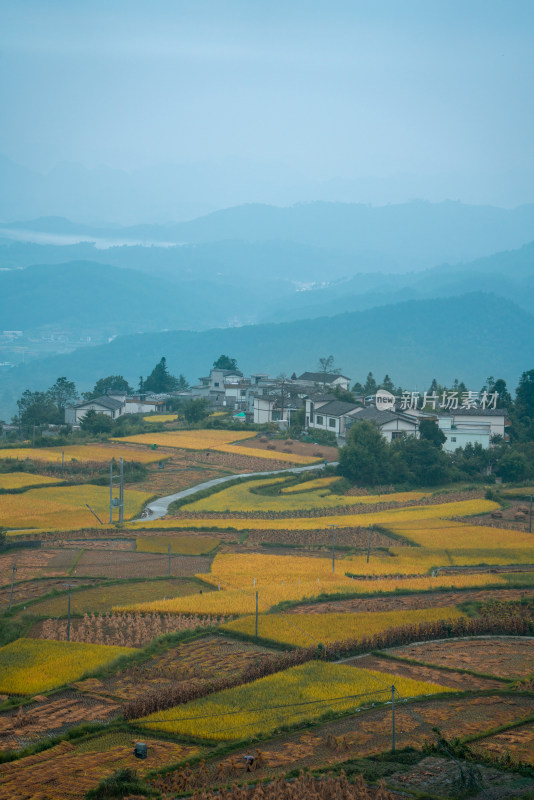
pixel 252 709
pixel 218 440
pixel 30 666
pixel 65 772
pixel 100 599
pixel 63 507
pixel 121 564
pixel 161 418
pixel 244 496
pixel 51 716
pixel 504 657
pixel 387 518
pixel 182 545
pixel 279 578
pixel 310 630
pixel 24 480
pixel 517 743
pixel 83 452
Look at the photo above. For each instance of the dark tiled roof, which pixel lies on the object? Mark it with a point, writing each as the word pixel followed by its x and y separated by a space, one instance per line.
pixel 475 412
pixel 372 414
pixel 104 401
pixel 319 377
pixel 336 408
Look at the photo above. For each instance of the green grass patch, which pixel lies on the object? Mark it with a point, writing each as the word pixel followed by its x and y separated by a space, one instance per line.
pixel 180 545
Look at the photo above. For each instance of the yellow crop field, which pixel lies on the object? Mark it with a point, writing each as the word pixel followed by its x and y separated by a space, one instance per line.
pixel 388 518
pixel 307 630
pixel 242 497
pixel 30 666
pixel 219 440
pixel 257 452
pixel 250 709
pixel 191 440
pixel 82 452
pixel 161 418
pixel 308 486
pixel 294 578
pixel 64 507
pixel 184 545
pixel 522 491
pixel 456 536
pixel 21 480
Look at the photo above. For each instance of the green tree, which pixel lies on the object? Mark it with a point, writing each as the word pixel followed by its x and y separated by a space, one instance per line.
pixel 365 459
pixel 225 362
pixel 160 380
pixel 343 394
pixel 95 422
pixel 370 386
pixel 387 384
pixel 428 429
pixel 36 408
pixel 195 410
pixel 419 462
pixel 113 383
pixel 182 384
pixel 63 393
pixel 524 396
pixel 513 466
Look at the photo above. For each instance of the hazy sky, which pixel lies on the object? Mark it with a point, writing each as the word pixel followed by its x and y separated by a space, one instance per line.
pixel 439 93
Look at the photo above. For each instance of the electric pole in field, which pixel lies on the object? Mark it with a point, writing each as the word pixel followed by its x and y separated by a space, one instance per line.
pixel 115 502
pixel 68 613
pixel 12 582
pixel 333 547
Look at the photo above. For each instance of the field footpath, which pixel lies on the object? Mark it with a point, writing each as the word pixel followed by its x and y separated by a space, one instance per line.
pixel 160 506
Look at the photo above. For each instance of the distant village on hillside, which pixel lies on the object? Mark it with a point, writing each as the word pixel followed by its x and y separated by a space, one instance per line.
pixel 464 417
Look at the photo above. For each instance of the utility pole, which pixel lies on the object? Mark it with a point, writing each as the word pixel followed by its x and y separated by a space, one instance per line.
pixel 369 544
pixel 393 718
pixel 256 615
pixel 68 614
pixel 111 492
pixel 333 547
pixel 169 561
pixel 530 518
pixel 12 582
pixel 121 491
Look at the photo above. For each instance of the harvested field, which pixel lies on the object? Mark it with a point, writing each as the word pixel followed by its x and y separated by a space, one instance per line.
pixel 34 563
pixel 439 777
pixel 30 590
pixel 175 476
pixel 454 680
pixel 299 448
pixel 200 660
pixel 369 732
pixel 96 544
pixel 517 742
pixel 421 600
pixel 345 537
pixel 65 773
pixel 503 656
pixel 102 598
pixel 52 716
pixel 194 545
pixel 139 565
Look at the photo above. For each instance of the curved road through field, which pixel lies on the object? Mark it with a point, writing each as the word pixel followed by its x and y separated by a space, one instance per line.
pixel 160 506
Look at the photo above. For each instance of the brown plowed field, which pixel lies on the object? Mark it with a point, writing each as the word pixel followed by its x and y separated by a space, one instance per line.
pixel 454 680
pixel 345 537
pixel 120 564
pixel 30 590
pixel 518 742
pixel 34 563
pixel 400 602
pixel 506 657
pixel 300 448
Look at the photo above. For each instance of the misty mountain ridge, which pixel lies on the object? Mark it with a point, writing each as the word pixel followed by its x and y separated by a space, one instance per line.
pixel 466 337
pixel 406 237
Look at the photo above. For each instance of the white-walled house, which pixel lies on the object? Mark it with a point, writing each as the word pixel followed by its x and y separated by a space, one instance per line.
pixel 268 409
pixel 392 424
pixel 329 414
pixel 461 433
pixel 496 419
pixel 109 406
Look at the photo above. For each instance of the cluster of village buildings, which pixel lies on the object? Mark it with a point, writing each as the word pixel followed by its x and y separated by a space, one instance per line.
pixel 260 399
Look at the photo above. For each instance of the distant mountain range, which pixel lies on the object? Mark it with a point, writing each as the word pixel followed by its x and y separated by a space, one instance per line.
pixel 468 337
pixel 394 238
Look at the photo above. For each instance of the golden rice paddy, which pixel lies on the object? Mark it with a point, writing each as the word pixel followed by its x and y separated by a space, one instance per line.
pixel 291 697
pixel 64 507
pixel 30 666
pixel 23 480
pixel 82 452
